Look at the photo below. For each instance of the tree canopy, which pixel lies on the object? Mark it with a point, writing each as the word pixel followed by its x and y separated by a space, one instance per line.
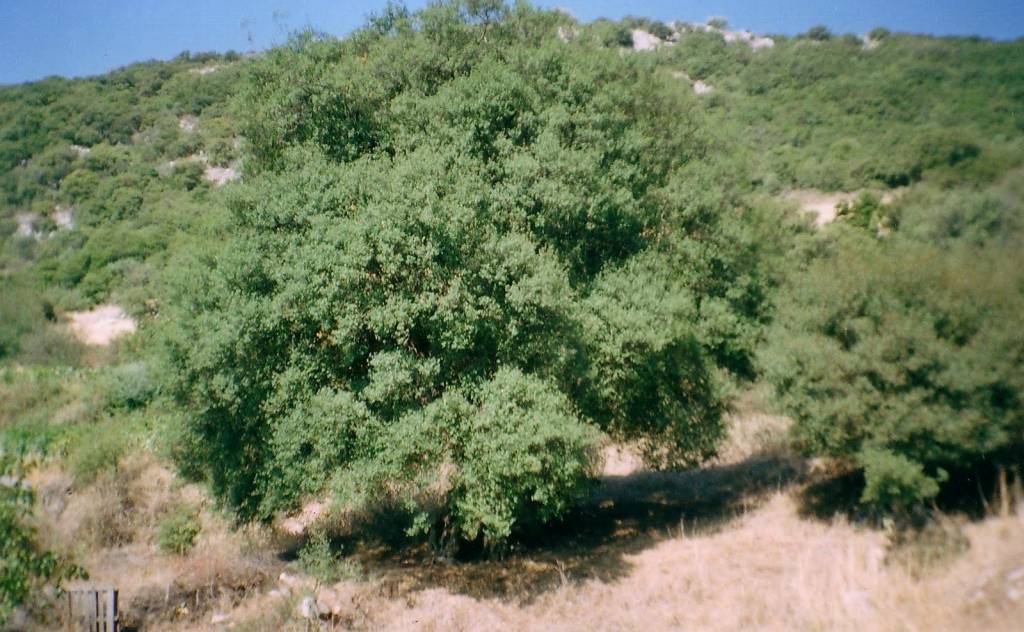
pixel 466 252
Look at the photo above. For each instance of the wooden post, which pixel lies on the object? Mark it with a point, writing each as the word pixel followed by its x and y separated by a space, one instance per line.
pixel 112 610
pixel 93 609
pixel 1004 494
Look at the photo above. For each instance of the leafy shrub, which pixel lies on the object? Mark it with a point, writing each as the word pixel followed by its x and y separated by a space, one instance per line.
pixel 611 34
pixel 319 559
pixel 649 376
pixel 189 174
pixel 818 33
pixel 660 30
pixel 25 567
pixel 20 312
pixel 908 363
pixel 178 531
pixel 50 345
pixel 703 55
pixel 129 386
pixel 991 217
pixel 865 212
pixel 96 449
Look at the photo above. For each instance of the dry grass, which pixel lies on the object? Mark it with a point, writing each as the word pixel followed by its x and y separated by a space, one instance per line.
pixel 770 570
pixel 110 527
pixel 730 546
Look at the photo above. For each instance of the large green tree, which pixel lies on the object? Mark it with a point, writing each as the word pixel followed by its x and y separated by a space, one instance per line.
pixel 464 251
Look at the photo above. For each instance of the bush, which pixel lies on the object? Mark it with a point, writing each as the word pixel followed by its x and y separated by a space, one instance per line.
pixel 611 34
pixel 987 218
pixel 178 531
pixel 129 386
pixel 660 30
pixel 905 360
pixel 412 308
pixel 318 559
pixel 97 448
pixel 819 34
pixel 25 567
pixel 865 212
pixel 51 345
pixel 189 174
pixel 20 312
pixel 110 520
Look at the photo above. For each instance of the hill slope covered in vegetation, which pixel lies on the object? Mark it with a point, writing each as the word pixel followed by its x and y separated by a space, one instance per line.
pixel 428 273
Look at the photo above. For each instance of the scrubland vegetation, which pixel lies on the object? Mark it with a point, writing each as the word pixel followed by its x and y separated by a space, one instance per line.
pixel 477 254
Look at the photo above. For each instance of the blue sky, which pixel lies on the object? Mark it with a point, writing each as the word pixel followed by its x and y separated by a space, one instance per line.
pixel 84 37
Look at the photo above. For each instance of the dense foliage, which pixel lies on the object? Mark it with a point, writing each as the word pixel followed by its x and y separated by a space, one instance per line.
pixel 475 242
pixel 910 362
pixel 97 178
pixel 465 249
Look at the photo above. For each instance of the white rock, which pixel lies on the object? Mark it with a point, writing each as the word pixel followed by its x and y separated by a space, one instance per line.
pixel 220 617
pixel 642 40
pixel 26 224
pixel 64 217
pixel 307 609
pixel 188 123
pixel 221 175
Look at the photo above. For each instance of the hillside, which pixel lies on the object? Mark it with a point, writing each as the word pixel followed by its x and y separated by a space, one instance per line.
pixel 482 317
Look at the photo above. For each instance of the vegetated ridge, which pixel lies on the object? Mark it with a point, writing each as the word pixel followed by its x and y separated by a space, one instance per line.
pixel 484 317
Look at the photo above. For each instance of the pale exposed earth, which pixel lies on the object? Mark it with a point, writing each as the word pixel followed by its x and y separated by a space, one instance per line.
pixel 100 325
pixel 825 206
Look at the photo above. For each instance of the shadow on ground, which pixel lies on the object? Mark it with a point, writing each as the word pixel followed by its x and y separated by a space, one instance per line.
pixel 626 515
pixel 971 494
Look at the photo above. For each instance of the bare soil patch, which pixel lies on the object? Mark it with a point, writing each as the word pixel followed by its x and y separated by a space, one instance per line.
pixel 220 176
pixel 824 206
pixel 100 325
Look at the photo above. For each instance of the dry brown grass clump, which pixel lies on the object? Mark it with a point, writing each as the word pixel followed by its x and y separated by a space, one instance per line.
pixel 111 525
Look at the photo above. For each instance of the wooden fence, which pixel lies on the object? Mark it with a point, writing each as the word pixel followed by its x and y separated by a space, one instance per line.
pixel 93 610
